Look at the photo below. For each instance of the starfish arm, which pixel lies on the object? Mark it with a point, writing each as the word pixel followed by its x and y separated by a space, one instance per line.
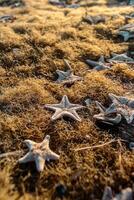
pixel 112 120
pixel 27 158
pixel 65 101
pixel 58 114
pixel 51 155
pixel 67 65
pixel 101 59
pixel 54 107
pixel 76 106
pixel 91 63
pixel 111 109
pixel 114 98
pixel 100 107
pixel 75 78
pixel 30 144
pixel 73 114
pixel 101 67
pixel 46 140
pixel 40 163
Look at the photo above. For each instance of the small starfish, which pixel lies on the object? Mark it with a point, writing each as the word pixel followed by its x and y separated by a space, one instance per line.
pixel 65 108
pixel 123 106
pixel 39 152
pixel 121 58
pixel 67 77
pixel 106 114
pixel 100 65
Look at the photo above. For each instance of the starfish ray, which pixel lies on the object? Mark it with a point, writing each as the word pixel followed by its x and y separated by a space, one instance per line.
pixel 94 19
pixel 65 108
pixel 68 76
pixel 123 106
pixel 121 58
pixel 7 18
pixel 39 152
pixel 100 65
pixel 106 114
pixel 127 32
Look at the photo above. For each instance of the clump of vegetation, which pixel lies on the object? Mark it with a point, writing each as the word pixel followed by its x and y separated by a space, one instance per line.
pixel 32 48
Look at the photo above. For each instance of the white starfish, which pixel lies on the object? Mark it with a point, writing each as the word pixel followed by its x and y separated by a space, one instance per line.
pixel 39 152
pixel 65 108
pixel 106 114
pixel 68 76
pixel 123 106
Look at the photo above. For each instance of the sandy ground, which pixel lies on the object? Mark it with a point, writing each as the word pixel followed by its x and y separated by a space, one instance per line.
pixel 32 48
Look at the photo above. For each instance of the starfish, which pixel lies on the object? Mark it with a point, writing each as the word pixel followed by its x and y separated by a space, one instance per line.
pixel 65 108
pixel 100 65
pixel 123 106
pixel 125 194
pixel 39 152
pixel 127 32
pixel 121 58
pixel 106 115
pixel 67 76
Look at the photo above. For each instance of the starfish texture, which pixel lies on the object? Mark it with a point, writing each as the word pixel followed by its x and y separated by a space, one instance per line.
pixel 100 65
pixel 127 32
pixel 121 58
pixel 65 108
pixel 106 115
pixel 39 152
pixel 123 106
pixel 67 76
pixel 125 194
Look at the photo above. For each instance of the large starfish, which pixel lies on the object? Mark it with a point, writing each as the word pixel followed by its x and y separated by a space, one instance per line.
pixel 123 106
pixel 39 152
pixel 121 58
pixel 65 108
pixel 67 77
pixel 98 65
pixel 106 114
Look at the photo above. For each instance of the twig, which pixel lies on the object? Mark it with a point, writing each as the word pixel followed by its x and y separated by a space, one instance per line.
pixel 96 146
